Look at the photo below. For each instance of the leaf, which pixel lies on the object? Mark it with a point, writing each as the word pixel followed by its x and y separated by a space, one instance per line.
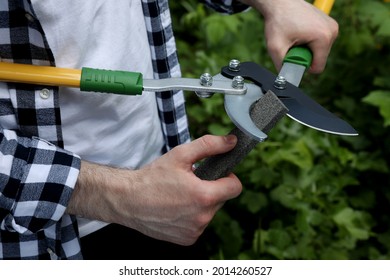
pixel 380 99
pixel 262 175
pixel 359 233
pixel 374 12
pixel 217 129
pixel 215 29
pixel 298 154
pixel 230 233
pixel 383 82
pixel 254 201
pixel 384 28
pixel 371 161
pixel 354 222
pixel 287 196
pixel 334 254
pixel 259 238
pixel 358 41
pixel 232 23
pixel 279 238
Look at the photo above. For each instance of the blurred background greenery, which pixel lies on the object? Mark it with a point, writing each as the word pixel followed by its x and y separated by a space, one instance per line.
pixel 307 194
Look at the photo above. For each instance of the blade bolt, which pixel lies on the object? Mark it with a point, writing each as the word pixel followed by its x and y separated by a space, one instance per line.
pixel 280 82
pixel 238 82
pixel 206 80
pixel 234 65
pixel 204 94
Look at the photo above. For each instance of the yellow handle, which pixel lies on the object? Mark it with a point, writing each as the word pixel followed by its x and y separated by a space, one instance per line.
pixel 42 75
pixel 324 5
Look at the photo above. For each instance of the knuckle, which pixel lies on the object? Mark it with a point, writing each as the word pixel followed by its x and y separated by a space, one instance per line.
pixel 207 141
pixel 177 150
pixel 206 199
pixel 274 47
pixel 335 29
pixel 331 33
pixel 335 25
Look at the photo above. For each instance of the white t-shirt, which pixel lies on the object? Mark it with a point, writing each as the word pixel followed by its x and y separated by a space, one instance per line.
pixel 104 128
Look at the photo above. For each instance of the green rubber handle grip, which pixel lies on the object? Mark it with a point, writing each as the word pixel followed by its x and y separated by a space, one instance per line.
pixel 119 82
pixel 300 56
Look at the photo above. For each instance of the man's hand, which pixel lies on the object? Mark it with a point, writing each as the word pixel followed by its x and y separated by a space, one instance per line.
pixel 163 200
pixel 296 22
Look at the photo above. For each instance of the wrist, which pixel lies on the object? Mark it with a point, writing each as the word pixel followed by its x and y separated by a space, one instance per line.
pixel 268 8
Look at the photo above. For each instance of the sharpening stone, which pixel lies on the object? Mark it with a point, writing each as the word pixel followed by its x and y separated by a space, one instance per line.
pixel 265 113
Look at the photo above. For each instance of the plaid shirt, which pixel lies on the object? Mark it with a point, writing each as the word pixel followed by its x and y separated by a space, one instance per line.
pixel 37 175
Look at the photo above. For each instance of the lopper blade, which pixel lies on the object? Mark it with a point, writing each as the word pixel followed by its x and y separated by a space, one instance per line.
pixel 308 112
pixel 302 108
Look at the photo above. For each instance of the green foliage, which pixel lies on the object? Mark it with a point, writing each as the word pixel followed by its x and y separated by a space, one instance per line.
pixel 381 99
pixel 307 194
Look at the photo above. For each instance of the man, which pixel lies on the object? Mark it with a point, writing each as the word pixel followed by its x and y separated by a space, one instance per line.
pixel 73 162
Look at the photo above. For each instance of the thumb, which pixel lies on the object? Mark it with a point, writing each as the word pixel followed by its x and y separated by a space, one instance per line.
pixel 203 147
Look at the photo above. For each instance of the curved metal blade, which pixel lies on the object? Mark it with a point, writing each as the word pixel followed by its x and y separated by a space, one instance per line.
pixel 238 108
pixel 319 119
pixel 308 112
pixel 302 108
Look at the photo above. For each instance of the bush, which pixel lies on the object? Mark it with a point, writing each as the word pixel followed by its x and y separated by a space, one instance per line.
pixel 307 194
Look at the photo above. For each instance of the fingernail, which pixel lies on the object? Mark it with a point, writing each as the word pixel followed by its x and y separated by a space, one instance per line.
pixel 231 139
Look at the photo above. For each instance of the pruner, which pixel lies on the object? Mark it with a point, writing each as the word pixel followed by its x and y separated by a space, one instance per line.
pixel 301 107
pixel 239 95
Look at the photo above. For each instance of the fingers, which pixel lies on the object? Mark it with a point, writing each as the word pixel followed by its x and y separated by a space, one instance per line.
pixel 277 49
pixel 322 46
pixel 184 156
pixel 278 46
pixel 320 57
pixel 219 191
pixel 227 188
pixel 209 192
pixel 304 25
pixel 203 147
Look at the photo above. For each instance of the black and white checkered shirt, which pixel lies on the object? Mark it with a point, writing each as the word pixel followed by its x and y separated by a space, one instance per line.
pixel 37 175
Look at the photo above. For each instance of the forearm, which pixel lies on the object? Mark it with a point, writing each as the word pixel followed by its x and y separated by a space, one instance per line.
pixel 97 191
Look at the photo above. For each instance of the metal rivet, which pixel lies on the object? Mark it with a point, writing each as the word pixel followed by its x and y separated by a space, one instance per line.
pixel 234 65
pixel 280 82
pixel 238 82
pixel 206 80
pixel 44 93
pixel 204 94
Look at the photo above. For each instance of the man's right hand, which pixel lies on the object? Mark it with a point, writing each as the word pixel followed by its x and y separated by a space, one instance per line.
pixel 164 200
pixel 291 23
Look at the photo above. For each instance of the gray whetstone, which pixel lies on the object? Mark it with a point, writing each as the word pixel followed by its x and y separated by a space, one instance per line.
pixel 265 113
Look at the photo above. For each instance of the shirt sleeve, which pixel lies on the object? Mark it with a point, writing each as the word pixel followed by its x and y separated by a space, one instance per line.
pixel 226 6
pixel 36 182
